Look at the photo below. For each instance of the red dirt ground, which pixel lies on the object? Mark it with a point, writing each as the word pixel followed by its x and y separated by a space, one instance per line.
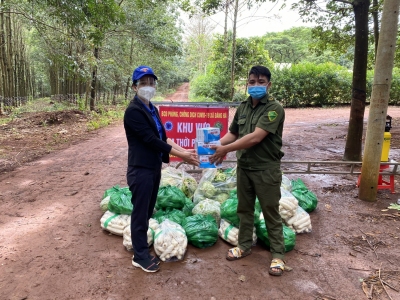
pixel 52 246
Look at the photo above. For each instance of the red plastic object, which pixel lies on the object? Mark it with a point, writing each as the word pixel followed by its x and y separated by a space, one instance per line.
pixel 383 184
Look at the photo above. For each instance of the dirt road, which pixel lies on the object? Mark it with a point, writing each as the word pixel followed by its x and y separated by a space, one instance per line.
pixel 52 246
pixel 180 95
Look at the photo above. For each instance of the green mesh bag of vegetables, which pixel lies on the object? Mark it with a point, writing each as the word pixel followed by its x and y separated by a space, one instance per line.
pixel 215 184
pixel 306 198
pixel 229 211
pixel 120 201
pixel 257 212
pixel 201 230
pixel 289 236
pixel 170 197
pixel 233 194
pixel 113 190
pixel 173 215
pixel 188 207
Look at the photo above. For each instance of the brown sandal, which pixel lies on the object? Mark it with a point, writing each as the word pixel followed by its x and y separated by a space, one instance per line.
pixel 277 264
pixel 237 253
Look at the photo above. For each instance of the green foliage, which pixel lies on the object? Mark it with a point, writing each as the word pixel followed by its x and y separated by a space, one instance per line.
pixel 216 82
pixel 239 97
pixel 289 46
pixel 299 44
pixel 395 87
pixel 61 36
pixel 105 116
pixel 211 86
pixel 335 32
pixel 307 84
pixel 198 44
pixel 81 103
pixel 335 42
pixel 394 97
pixel 250 52
pixel 42 105
pixel 210 6
pixel 90 18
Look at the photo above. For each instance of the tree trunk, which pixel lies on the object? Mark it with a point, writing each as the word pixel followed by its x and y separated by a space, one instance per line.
pixel 30 73
pixel 227 3
pixel 3 62
pixel 379 101
pixel 129 78
pixel 234 49
pixel 10 52
pixel 17 58
pixel 88 85
pixel 375 17
pixel 352 151
pixel 114 96
pixel 93 84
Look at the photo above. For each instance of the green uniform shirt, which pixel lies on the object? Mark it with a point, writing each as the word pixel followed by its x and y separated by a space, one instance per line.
pixel 269 116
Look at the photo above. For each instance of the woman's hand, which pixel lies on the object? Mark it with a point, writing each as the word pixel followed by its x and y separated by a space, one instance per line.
pixel 190 157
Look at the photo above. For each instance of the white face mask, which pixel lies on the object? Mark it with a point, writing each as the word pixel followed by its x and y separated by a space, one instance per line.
pixel 146 93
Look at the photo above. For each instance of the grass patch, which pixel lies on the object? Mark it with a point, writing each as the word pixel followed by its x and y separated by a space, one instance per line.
pixel 103 116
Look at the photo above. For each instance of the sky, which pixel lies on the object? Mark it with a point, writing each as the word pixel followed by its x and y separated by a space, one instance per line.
pixel 258 21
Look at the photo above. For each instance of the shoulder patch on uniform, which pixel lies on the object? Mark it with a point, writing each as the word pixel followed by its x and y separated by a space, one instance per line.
pixel 272 115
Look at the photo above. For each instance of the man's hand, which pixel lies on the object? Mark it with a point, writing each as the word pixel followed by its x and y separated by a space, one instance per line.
pixel 190 157
pixel 218 156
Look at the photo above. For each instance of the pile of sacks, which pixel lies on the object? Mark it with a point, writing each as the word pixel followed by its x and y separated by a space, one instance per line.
pixel 187 212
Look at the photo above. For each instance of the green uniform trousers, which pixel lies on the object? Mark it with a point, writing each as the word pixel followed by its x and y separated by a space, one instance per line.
pixel 264 184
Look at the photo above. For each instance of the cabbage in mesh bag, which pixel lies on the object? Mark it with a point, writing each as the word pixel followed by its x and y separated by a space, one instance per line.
pixel 114 189
pixel 174 215
pixel 289 236
pixel 229 211
pixel 307 199
pixel 120 201
pixel 179 178
pixel 208 207
pixel 201 230
pixel 104 203
pixel 215 184
pixel 188 207
pixel 170 197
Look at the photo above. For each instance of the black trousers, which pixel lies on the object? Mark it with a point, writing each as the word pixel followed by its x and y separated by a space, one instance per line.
pixel 144 184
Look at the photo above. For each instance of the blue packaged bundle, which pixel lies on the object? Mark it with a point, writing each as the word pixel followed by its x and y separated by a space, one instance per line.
pixel 205 148
pixel 208 134
pixel 205 162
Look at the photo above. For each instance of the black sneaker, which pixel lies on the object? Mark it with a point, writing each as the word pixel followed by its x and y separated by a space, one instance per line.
pixel 154 259
pixel 146 265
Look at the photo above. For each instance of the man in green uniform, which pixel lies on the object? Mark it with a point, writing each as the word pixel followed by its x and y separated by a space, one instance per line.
pixel 256 134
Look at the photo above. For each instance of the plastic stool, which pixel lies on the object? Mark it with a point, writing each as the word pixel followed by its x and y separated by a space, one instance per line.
pixel 383 184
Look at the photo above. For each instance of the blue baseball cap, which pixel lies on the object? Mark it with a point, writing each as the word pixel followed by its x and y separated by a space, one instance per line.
pixel 140 71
